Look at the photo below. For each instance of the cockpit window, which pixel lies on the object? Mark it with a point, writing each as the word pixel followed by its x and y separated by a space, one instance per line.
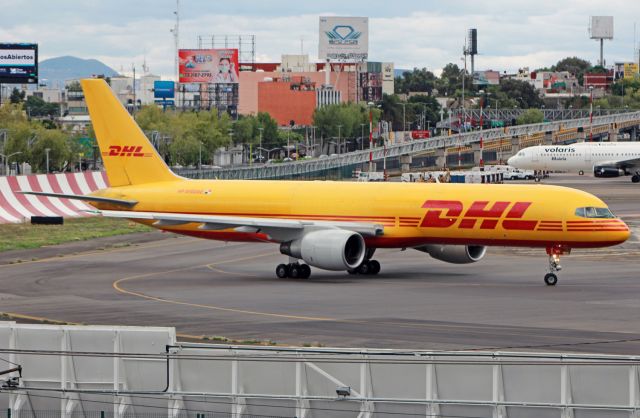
pixel 591 212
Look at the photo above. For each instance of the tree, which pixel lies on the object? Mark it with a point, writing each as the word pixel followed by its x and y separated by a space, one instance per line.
pixel 521 92
pixel 530 116
pixel 574 65
pixel 343 119
pixel 418 80
pixel 37 107
pixel 17 96
pixel 60 153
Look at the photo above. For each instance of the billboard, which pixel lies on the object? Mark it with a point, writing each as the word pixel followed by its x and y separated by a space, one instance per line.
pixel 18 63
pixel 208 66
pixel 164 89
pixel 601 27
pixel 344 38
pixel 630 70
pixel 388 73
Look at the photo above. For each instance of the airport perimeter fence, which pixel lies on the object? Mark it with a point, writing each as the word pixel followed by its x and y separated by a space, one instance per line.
pixel 122 372
pixel 109 414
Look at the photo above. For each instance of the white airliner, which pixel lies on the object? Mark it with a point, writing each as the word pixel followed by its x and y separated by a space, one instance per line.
pixel 604 159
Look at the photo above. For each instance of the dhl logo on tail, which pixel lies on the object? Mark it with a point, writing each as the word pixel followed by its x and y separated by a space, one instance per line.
pixel 125 151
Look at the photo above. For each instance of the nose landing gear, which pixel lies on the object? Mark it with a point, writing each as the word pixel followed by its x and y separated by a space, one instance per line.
pixel 554 264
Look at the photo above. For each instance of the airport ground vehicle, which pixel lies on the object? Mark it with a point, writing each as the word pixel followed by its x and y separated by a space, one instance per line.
pixel 338 225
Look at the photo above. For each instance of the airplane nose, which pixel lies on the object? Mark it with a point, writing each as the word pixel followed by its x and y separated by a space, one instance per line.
pixel 511 160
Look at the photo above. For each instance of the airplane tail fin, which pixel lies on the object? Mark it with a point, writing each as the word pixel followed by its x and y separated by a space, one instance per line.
pixel 129 158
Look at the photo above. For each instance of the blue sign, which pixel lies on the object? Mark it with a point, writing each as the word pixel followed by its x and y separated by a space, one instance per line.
pixel 164 89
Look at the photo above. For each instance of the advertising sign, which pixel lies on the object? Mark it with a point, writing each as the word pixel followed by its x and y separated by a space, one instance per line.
pixel 630 70
pixel 388 73
pixel 208 66
pixel 164 89
pixel 18 63
pixel 601 27
pixel 344 38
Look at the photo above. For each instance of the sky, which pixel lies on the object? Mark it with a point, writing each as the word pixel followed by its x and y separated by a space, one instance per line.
pixel 411 33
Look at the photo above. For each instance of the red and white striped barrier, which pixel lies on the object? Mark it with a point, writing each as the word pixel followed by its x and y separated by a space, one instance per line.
pixel 17 207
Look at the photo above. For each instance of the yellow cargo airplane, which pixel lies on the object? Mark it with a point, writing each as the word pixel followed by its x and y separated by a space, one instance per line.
pixel 338 225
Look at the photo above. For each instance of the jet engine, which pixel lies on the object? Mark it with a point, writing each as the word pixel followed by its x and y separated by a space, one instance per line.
pixel 328 249
pixel 603 171
pixel 456 254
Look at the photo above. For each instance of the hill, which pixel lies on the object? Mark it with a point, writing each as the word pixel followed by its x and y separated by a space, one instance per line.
pixel 56 70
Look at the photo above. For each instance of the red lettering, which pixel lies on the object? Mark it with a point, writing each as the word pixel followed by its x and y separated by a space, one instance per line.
pixel 479 210
pixel 127 150
pixel 138 152
pixel 432 218
pixel 518 210
pixel 114 150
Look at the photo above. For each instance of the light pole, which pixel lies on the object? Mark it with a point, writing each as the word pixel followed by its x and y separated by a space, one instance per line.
pixel 46 150
pixel 370 104
pixel 591 113
pixel 362 135
pixel 261 129
pixel 404 119
pixel 339 147
pixel 7 161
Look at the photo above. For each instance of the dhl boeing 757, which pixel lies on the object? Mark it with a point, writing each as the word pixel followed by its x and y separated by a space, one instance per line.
pixel 338 225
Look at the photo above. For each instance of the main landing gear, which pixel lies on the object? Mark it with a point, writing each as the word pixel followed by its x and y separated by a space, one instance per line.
pixel 293 270
pixel 554 264
pixel 635 178
pixel 367 267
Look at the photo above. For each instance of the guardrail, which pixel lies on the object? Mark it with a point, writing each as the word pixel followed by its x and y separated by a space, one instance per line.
pixel 291 169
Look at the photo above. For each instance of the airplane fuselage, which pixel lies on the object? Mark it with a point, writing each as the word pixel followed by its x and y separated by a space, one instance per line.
pixel 576 157
pixel 412 214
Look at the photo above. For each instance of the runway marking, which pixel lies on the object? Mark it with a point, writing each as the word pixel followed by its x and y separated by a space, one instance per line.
pixel 117 286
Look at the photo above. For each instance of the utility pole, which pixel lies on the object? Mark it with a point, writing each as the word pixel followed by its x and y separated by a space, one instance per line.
pixel 46 150
pixel 134 88
pixel 261 129
pixel 370 137
pixel 339 147
pixel 590 113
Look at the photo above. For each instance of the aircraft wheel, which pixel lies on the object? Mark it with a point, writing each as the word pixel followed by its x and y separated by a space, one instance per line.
pixel 581 172
pixel 374 266
pixel 352 271
pixel 305 271
pixel 282 271
pixel 635 178
pixel 295 271
pixel 550 279
pixel 364 268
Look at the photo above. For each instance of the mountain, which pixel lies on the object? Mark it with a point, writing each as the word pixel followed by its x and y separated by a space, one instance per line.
pixel 56 70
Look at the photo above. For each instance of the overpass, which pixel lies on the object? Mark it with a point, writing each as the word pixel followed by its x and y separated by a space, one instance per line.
pixel 506 140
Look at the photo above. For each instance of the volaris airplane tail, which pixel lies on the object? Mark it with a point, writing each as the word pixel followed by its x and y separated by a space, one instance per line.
pixel 129 158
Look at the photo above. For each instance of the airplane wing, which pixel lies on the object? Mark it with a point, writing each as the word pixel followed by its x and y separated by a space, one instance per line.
pixel 277 228
pixel 627 165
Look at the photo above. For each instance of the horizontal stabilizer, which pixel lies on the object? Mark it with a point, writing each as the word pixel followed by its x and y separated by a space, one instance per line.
pixel 88 198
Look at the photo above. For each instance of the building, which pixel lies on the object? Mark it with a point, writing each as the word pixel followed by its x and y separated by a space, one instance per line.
pixel 599 80
pixel 289 100
pixel 355 82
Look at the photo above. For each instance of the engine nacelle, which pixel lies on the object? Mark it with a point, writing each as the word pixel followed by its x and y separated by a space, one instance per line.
pixel 602 171
pixel 328 249
pixel 456 254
